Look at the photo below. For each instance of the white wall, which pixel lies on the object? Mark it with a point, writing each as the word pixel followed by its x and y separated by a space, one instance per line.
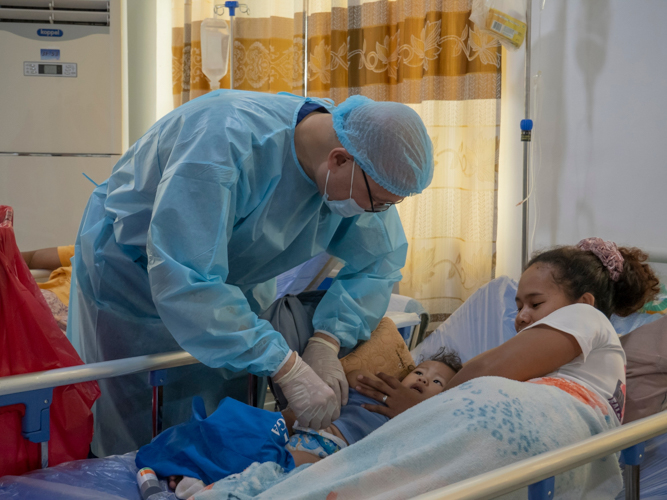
pixel 601 122
pixel 149 64
pixel 510 165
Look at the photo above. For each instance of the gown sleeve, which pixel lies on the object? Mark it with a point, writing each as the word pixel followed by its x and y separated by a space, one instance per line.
pixel 192 221
pixel 373 248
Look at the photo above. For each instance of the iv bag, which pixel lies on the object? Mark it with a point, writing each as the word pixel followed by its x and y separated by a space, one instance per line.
pixel 215 40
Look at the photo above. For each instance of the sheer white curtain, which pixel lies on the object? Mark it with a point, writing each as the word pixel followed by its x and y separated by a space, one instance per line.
pixel 428 55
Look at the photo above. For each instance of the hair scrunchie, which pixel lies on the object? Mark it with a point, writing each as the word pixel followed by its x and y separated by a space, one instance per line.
pixel 607 252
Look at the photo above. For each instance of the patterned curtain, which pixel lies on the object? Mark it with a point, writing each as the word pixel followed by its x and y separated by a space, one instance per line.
pixel 268 53
pixel 427 54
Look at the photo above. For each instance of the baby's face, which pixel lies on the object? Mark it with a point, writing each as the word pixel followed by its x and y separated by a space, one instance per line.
pixel 429 378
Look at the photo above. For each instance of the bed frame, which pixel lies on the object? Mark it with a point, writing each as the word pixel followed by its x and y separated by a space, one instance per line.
pixel 35 391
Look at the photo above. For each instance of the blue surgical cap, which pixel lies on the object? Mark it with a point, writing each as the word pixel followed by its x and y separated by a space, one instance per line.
pixel 389 142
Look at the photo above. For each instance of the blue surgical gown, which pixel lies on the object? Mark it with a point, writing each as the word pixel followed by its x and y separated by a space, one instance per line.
pixel 179 248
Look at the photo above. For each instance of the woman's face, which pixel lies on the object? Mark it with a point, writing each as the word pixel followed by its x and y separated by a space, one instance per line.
pixel 538 296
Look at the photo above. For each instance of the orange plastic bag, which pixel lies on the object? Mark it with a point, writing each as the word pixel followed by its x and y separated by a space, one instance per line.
pixel 31 341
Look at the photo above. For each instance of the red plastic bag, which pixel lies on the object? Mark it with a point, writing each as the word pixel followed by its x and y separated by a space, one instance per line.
pixel 31 341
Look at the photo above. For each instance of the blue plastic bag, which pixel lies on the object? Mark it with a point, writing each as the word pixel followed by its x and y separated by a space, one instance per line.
pixel 234 436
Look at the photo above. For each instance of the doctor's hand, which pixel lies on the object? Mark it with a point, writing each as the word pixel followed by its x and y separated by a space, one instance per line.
pixel 312 401
pixel 321 354
pixel 388 390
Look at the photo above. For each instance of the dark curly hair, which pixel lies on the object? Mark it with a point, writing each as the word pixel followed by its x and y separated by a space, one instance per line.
pixel 448 357
pixel 579 271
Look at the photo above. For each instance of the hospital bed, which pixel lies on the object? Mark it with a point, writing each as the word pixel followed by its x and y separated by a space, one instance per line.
pixel 643 445
pixel 111 478
pixel 83 479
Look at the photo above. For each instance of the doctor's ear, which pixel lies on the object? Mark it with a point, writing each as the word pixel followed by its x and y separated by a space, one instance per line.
pixel 338 158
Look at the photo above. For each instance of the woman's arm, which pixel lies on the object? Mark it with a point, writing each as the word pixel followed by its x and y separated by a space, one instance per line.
pixel 45 258
pixel 533 353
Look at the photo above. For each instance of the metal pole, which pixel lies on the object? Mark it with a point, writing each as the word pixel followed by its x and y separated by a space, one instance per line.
pixel 252 389
pixel 231 50
pixel 157 379
pixel 305 48
pixel 656 256
pixel 95 371
pixel 633 457
pixel 631 476
pixel 157 409
pixel 526 144
pixel 44 450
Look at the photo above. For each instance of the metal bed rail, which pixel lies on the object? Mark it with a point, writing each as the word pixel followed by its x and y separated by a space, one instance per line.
pixel 95 371
pixel 538 473
pixel 35 390
pixel 657 256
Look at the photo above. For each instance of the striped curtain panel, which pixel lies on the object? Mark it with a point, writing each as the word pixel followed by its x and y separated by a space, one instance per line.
pixel 268 52
pixel 428 55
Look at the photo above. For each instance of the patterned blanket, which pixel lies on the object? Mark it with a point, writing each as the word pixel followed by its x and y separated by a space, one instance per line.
pixel 479 426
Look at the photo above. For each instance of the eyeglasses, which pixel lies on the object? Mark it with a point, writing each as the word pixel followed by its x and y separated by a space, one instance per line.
pixel 376 208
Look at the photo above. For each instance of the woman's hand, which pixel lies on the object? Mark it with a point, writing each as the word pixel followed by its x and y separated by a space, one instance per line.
pixel 398 398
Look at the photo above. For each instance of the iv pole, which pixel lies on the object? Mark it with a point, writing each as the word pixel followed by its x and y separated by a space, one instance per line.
pixel 526 132
pixel 219 10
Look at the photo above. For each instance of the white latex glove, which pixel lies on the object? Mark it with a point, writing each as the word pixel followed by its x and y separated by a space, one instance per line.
pixel 322 356
pixel 312 401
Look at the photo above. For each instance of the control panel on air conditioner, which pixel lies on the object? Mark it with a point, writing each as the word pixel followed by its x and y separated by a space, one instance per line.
pixel 49 69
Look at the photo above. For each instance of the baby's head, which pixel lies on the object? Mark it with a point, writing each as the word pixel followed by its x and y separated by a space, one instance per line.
pixel 576 274
pixel 431 376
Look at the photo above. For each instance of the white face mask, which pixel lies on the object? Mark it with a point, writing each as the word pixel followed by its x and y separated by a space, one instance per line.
pixel 344 208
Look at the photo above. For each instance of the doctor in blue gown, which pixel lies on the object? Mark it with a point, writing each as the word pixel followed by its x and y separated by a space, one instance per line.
pixel 179 248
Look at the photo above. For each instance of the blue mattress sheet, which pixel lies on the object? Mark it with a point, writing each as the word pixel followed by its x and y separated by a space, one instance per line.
pixel 110 478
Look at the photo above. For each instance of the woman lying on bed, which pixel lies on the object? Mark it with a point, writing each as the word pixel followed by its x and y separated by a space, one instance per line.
pixel 486 418
pixel 564 299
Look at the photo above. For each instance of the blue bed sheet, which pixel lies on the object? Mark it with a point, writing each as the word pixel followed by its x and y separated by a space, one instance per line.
pixel 653 472
pixel 110 478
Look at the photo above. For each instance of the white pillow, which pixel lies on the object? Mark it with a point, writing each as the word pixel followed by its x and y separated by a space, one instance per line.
pixel 483 322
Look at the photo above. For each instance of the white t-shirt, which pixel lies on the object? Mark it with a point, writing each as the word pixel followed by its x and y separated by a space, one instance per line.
pixel 601 365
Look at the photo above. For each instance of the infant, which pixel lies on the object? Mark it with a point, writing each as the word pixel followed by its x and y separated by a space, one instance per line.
pixel 355 422
pixel 304 445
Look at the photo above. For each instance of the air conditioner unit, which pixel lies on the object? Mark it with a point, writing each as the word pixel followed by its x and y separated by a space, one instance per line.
pixel 61 111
